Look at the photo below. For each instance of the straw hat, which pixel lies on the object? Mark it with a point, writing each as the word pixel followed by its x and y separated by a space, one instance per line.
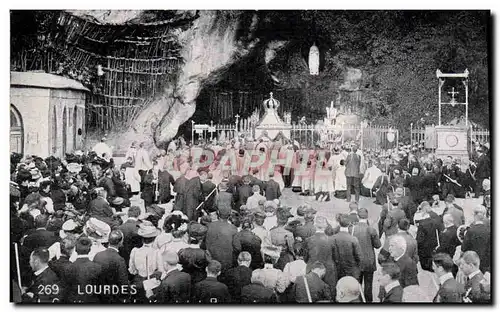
pixel 68 227
pixel 97 229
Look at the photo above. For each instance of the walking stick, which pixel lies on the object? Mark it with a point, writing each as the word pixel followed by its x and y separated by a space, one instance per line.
pixel 362 294
pixel 18 268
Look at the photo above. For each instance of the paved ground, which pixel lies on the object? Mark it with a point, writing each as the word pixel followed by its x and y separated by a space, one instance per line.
pixel 330 209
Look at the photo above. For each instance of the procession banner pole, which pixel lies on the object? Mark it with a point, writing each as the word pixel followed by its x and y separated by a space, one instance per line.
pixel 18 268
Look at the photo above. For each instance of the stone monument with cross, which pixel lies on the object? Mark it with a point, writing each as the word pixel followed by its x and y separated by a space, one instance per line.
pixel 453 140
pixel 271 123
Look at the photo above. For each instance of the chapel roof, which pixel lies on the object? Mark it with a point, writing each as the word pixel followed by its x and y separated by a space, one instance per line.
pixel 44 80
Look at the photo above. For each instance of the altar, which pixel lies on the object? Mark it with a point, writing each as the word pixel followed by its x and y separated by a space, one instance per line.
pixel 271 125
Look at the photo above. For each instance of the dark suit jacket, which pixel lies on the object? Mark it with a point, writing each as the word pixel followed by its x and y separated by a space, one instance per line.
pixel 206 188
pixel 244 191
pixel 211 291
pixel 304 231
pixel 411 246
pixel 319 247
pixel 408 270
pixel 114 268
pixel 60 266
pixel 130 238
pixel 223 200
pixel 194 262
pixel 257 293
pixel 394 295
pixel 39 238
pixel 193 197
pixel 450 291
pixel 353 217
pixel 235 279
pixel 478 239
pixel 108 185
pixel 83 272
pixel 46 288
pixel 272 189
pixel 448 241
pixel 319 290
pixel 180 189
pixel 347 254
pixel 391 221
pixel 352 164
pixel 245 240
pixel 175 288
pixel 426 238
pixel 165 183
pixel 368 241
pixel 476 294
pixel 100 209
pixel 219 242
pixel 483 169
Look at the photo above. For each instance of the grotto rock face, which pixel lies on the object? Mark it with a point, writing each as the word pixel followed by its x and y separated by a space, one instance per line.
pixel 209 47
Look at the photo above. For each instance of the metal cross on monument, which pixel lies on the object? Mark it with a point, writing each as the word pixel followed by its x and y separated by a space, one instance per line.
pixel 453 93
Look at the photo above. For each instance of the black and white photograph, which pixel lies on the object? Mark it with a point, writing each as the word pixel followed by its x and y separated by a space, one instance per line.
pixel 250 156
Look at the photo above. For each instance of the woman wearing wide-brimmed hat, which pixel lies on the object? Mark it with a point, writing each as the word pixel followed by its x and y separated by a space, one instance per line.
pixel 144 261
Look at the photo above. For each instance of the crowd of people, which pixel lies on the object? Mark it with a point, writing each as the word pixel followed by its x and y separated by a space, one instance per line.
pixel 180 228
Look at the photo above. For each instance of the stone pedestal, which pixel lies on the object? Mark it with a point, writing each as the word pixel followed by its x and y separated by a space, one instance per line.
pixel 452 141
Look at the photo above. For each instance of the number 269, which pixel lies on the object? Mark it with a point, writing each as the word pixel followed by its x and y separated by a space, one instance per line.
pixel 48 289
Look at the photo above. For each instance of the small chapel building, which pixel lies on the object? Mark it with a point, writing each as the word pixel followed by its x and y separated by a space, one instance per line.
pixel 47 114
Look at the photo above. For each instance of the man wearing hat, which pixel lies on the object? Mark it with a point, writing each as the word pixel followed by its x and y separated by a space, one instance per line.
pixel 193 259
pixel 283 238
